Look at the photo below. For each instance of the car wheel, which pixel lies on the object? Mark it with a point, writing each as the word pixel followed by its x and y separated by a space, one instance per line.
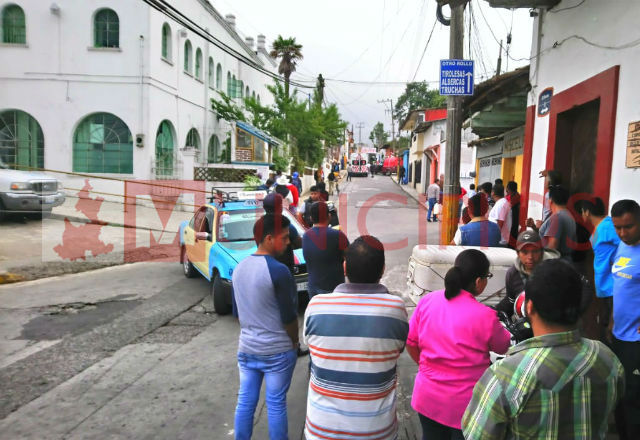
pixel 220 304
pixel 187 268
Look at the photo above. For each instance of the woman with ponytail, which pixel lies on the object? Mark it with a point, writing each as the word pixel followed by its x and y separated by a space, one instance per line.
pixel 450 337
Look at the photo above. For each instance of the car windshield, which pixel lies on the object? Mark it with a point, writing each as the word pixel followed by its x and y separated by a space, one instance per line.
pixel 238 225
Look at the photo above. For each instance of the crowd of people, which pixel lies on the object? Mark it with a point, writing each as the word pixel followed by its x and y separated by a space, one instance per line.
pixel 556 384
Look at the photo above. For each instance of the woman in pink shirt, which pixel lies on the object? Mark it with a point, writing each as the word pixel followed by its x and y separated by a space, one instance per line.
pixel 450 337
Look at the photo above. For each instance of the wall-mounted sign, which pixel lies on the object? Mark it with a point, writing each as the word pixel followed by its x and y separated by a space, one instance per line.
pixel 544 101
pixel 633 145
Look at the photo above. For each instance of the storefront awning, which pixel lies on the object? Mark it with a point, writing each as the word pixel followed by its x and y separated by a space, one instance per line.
pixel 258 133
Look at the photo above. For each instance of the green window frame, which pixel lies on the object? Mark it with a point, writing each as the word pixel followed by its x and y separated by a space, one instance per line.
pixel 102 143
pixel 193 139
pixel 166 42
pixel 164 149
pixel 240 89
pixel 188 56
pixel 211 80
pixel 214 153
pixel 219 77
pixel 21 140
pixel 14 28
pixel 106 28
pixel 198 71
pixel 247 93
pixel 258 98
pixel 229 85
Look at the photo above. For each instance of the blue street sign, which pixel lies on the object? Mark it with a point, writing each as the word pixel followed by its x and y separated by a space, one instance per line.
pixel 456 77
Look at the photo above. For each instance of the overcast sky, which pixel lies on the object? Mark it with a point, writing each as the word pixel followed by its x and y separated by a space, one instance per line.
pixel 378 41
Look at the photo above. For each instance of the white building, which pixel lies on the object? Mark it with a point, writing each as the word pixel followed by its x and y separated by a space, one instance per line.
pixel 583 104
pixel 426 158
pixel 116 88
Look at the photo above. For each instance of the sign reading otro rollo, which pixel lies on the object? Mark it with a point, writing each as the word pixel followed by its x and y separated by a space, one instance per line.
pixel 456 77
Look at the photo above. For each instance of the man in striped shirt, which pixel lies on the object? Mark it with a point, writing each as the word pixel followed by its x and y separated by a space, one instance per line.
pixel 355 335
pixel 556 385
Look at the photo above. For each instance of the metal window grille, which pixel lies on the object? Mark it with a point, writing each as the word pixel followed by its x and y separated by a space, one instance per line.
pixel 14 29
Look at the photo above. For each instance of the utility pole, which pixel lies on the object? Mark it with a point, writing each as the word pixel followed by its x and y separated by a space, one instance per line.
pixel 390 110
pixel 360 126
pixel 499 60
pixel 454 129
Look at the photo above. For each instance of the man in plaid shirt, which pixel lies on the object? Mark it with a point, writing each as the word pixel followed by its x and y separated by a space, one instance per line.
pixel 556 385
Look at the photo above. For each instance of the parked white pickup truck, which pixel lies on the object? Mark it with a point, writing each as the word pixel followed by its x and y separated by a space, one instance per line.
pixel 28 192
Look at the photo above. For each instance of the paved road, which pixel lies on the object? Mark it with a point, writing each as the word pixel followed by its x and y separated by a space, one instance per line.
pixel 135 352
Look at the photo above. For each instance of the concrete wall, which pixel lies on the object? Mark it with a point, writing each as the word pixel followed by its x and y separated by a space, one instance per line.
pixel 563 60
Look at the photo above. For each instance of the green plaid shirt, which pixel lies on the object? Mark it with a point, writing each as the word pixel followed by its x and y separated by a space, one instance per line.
pixel 556 386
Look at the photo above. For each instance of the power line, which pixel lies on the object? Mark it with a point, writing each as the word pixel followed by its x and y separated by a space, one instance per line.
pixel 371 45
pixel 167 9
pixel 425 49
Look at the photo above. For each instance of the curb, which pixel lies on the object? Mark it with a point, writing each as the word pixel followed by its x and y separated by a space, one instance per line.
pixel 417 199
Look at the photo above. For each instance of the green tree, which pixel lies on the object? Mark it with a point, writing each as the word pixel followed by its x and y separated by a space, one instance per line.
pixel 378 136
pixel 417 95
pixel 289 53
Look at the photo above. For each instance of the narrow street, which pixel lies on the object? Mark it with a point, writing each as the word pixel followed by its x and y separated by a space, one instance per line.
pixel 135 351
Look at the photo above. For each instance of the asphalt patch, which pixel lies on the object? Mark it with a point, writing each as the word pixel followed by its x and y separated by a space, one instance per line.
pixel 73 319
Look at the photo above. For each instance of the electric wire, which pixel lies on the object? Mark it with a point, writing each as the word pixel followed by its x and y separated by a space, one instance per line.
pixel 424 51
pixel 168 10
pixel 555 11
pixel 371 45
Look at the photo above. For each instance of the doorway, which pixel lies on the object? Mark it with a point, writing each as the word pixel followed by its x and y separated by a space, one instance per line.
pixel 575 146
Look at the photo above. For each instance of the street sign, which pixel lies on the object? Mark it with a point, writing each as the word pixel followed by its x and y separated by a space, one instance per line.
pixel 456 77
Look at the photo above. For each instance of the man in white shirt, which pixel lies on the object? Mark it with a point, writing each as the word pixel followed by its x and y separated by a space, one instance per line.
pixel 433 193
pixel 501 213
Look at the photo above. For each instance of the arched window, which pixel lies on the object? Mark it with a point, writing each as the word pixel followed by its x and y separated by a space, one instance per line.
pixel 214 153
pixel 247 94
pixel 164 149
pixel 21 140
pixel 166 42
pixel 219 77
pixel 212 73
pixel 253 94
pixel 188 56
pixel 234 87
pixel 229 85
pixel 14 29
pixel 193 139
pixel 198 73
pixel 106 29
pixel 102 143
pixel 258 99
pixel 239 89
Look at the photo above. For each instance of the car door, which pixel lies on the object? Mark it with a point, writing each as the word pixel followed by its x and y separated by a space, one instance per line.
pixel 203 247
pixel 195 248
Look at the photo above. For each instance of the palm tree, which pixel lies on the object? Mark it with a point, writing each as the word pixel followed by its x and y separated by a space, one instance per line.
pixel 290 52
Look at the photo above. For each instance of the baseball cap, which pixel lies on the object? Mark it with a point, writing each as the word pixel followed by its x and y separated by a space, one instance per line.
pixel 528 237
pixel 295 174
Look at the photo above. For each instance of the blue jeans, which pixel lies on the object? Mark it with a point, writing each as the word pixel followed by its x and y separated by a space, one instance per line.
pixel 277 370
pixel 432 203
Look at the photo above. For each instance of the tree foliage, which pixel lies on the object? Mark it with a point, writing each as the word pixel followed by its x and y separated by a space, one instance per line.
pixel 378 136
pixel 417 95
pixel 307 129
pixel 289 53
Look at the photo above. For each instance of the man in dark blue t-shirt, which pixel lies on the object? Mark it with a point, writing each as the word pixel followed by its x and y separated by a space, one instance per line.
pixel 323 248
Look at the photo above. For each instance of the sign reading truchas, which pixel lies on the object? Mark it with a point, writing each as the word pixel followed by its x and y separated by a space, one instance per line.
pixel 456 77
pixel 633 145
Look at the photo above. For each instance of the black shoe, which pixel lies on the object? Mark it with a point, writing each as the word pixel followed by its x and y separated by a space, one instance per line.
pixel 429 220
pixel 302 351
